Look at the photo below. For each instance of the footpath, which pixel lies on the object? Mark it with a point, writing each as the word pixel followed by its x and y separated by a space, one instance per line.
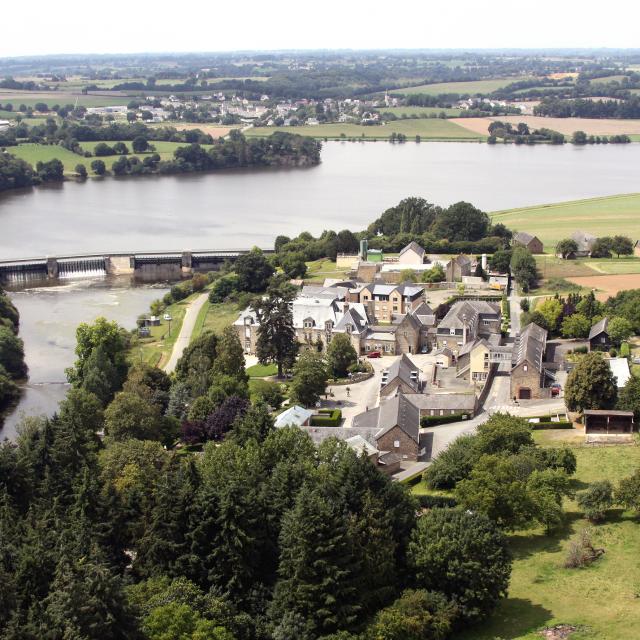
pixel 186 330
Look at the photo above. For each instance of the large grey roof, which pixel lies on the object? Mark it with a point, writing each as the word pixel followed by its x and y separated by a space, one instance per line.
pixel 522 237
pixel 530 346
pixel 403 368
pixel 398 411
pixel 437 401
pixel 356 316
pixel 470 310
pixel 598 328
pixel 583 239
pixel 413 246
pixel 425 314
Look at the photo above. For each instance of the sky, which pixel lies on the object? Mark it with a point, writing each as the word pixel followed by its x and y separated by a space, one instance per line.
pixel 41 27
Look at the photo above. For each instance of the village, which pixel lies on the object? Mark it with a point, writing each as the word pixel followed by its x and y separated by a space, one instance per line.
pixel 441 357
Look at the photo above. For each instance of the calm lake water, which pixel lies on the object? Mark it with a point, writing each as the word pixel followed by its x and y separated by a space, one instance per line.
pixel 237 209
pixel 354 183
pixel 48 320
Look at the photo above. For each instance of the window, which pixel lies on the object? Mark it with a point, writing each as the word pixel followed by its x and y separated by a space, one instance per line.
pixel 525 368
pixel 452 332
pixel 349 328
pixel 395 307
pixel 308 324
pixel 396 444
pixel 441 412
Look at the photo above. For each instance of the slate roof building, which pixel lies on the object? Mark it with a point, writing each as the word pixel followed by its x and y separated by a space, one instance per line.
pixel 398 424
pixel 585 242
pixel 528 372
pixel 403 376
pixel 467 320
pixel 413 253
pixel 529 241
pixel 599 339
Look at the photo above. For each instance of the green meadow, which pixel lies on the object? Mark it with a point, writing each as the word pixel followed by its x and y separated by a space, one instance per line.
pixel 603 600
pixel 31 98
pixel 605 216
pixel 421 112
pixel 426 128
pixel 471 87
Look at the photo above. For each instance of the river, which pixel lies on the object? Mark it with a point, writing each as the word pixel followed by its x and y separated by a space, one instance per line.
pixel 49 316
pixel 354 183
pixel 235 209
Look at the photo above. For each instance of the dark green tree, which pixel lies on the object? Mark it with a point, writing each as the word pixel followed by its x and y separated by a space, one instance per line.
pixel 591 384
pixel 309 378
pixel 276 335
pixel 464 556
pixel 316 572
pixel 340 355
pixel 253 271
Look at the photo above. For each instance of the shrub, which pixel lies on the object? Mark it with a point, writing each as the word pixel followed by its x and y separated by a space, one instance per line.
pixel 463 555
pixel 327 418
pixel 270 392
pixel 581 552
pixel 596 500
pixel 628 492
pixel 432 501
pixel 432 421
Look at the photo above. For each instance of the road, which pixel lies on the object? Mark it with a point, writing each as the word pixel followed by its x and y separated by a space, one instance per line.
pixel 186 330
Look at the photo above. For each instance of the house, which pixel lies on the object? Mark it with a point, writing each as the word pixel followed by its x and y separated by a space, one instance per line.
pixel 384 301
pixel 465 321
pixel 458 267
pixel 398 424
pixel 412 254
pixel 476 358
pixel 607 425
pixel 528 373
pixel 599 336
pixel 585 242
pixel 444 357
pixel 295 416
pixel 529 241
pixel 620 369
pixel 403 376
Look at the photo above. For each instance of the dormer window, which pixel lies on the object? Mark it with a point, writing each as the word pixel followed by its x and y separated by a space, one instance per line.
pixel 308 323
pixel 349 328
pixel 328 325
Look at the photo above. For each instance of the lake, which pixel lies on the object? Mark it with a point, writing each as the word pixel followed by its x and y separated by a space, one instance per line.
pixel 48 320
pixel 354 183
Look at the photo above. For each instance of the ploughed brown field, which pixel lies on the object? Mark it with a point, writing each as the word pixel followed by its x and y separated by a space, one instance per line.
pixel 591 126
pixel 608 286
pixel 214 130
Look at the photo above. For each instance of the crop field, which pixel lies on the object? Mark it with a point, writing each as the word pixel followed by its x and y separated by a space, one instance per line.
pixel 601 600
pixel 30 98
pixel 426 128
pixel 470 87
pixel 607 286
pixel 591 126
pixel 605 79
pixel 214 130
pixel 421 112
pixel 600 216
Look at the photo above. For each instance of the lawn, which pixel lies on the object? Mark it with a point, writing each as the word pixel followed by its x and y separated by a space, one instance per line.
pixel 262 370
pixel 215 317
pixel 470 87
pixel 426 128
pixel 319 270
pixel 600 216
pixel 602 599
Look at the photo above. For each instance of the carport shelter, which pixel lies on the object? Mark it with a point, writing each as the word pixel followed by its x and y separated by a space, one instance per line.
pixel 604 422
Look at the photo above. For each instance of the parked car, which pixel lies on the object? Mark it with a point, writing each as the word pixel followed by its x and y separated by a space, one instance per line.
pixel 374 354
pixel 167 317
pixel 555 389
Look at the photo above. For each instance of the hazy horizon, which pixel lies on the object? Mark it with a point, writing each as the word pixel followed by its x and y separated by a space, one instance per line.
pixel 127 28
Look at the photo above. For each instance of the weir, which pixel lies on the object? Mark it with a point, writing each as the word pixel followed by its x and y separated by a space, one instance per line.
pixel 146 266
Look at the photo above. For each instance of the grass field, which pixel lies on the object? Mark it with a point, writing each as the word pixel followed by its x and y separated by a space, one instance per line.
pixel 30 98
pixel 215 317
pixel 471 87
pixel 600 216
pixel 601 599
pixel 262 370
pixel 426 128
pixel 318 270
pixel 421 112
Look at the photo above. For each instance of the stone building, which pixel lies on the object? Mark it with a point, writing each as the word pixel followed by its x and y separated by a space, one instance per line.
pixel 467 320
pixel 528 372
pixel 528 241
